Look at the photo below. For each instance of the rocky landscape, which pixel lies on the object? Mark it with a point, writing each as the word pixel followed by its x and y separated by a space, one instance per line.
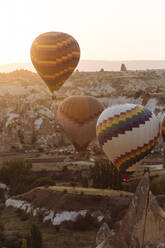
pixel 28 113
pixel 28 129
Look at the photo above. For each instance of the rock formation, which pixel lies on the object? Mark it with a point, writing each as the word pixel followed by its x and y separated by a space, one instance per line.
pixel 103 233
pixel 123 68
pixel 143 224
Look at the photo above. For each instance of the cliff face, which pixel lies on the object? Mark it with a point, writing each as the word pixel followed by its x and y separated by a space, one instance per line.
pixel 141 87
pixel 143 224
pixel 27 112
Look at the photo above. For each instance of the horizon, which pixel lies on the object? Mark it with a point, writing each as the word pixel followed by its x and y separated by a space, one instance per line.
pixel 105 60
pixel 94 65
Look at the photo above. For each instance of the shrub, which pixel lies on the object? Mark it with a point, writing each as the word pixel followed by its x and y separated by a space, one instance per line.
pixel 2 227
pixel 22 214
pixel 17 174
pixel 65 191
pixel 109 221
pixel 24 243
pixel 2 195
pixel 24 217
pixel 57 228
pixel 28 239
pixel 13 241
pixel 73 184
pixel 19 211
pixel 82 193
pixel 43 181
pixel 84 223
pixel 2 238
pixel 158 185
pixel 131 186
pixel 65 168
pixel 84 182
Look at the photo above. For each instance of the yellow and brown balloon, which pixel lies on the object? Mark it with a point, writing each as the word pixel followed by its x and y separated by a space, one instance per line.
pixel 55 55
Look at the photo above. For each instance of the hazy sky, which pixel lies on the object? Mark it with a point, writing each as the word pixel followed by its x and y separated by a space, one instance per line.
pixel 104 29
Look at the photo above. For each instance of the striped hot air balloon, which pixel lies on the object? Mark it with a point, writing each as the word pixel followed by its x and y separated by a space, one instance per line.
pixel 163 129
pixel 78 116
pixel 55 55
pixel 127 133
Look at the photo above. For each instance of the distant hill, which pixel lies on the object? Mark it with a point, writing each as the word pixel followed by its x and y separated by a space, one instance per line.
pixel 96 65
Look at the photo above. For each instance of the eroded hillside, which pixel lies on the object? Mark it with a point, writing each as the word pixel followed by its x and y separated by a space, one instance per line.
pixel 27 111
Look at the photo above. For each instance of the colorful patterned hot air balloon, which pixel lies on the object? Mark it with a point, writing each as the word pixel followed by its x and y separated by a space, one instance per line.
pixel 78 116
pixel 163 129
pixel 55 55
pixel 127 133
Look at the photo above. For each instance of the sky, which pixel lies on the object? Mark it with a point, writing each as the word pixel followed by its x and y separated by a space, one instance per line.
pixel 104 29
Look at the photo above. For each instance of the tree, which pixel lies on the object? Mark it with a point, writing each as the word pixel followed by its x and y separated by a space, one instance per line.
pixel 105 175
pixel 36 237
pixel 24 243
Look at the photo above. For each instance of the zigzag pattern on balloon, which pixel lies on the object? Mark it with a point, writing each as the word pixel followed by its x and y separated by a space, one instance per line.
pixel 118 117
pixel 82 123
pixel 55 81
pixel 119 124
pixel 56 86
pixel 56 75
pixel 55 56
pixel 57 61
pixel 127 133
pixel 134 156
pixel 48 46
pixel 48 39
pixel 52 53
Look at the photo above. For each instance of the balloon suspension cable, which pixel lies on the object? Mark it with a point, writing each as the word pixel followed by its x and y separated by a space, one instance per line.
pixel 54 107
pixel 84 154
pixel 54 95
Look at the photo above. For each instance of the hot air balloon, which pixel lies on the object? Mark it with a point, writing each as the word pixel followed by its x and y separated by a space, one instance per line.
pixel 78 116
pixel 127 133
pixel 163 137
pixel 55 55
pixel 163 129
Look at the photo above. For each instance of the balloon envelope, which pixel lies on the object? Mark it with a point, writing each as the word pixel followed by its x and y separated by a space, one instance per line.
pixel 55 55
pixel 127 133
pixel 78 116
pixel 163 128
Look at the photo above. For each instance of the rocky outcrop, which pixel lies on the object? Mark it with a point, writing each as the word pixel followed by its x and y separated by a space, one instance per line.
pixel 151 245
pixel 143 224
pixel 103 233
pixel 104 244
pixel 123 68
